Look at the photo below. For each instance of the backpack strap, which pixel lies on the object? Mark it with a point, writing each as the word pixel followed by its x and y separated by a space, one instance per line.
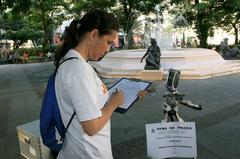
pixel 64 60
pixel 98 74
pixel 65 130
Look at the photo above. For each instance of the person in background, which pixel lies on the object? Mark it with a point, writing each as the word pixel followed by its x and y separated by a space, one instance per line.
pixel 194 43
pixel 79 89
pixel 49 55
pixel 25 57
pixel 17 57
pixel 226 51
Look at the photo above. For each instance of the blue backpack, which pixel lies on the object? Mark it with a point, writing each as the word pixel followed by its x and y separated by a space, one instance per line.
pixel 50 117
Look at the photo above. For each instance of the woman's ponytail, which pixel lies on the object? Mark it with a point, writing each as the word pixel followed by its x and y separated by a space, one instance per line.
pixel 70 40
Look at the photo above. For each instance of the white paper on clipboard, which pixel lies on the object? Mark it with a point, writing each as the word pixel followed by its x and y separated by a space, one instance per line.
pixel 130 89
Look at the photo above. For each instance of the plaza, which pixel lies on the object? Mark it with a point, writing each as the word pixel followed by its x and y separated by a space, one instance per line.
pixel 22 88
pixel 145 39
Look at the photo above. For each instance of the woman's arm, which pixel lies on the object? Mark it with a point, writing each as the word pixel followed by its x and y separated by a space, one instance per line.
pixel 91 127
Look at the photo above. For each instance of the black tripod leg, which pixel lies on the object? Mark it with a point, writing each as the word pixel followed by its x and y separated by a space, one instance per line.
pixel 171 118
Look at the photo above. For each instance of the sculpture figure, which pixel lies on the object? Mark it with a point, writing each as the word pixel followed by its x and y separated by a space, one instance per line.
pixel 226 51
pixel 153 56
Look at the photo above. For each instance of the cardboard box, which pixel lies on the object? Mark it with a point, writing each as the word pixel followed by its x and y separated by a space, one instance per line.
pixel 30 142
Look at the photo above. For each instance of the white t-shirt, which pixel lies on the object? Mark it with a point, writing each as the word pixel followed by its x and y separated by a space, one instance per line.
pixel 78 88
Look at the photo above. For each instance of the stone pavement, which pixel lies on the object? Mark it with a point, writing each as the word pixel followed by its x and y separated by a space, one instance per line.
pixel 22 87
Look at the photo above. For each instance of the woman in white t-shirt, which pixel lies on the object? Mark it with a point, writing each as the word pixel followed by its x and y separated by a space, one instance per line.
pixel 79 89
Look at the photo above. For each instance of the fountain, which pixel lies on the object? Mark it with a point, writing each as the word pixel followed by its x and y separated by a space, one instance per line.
pixel 194 63
pixel 158 25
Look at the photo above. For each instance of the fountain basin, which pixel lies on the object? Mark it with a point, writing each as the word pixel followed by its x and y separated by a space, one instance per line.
pixel 194 63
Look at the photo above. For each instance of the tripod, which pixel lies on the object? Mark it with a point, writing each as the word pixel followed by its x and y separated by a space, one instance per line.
pixel 173 98
pixel 170 107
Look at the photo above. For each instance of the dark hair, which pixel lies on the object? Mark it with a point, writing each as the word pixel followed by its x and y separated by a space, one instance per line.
pixel 95 19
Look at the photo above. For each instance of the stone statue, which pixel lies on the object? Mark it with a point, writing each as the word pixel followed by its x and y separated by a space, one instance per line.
pixel 153 56
pixel 226 51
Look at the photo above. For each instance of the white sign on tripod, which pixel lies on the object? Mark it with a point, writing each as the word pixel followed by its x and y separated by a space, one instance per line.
pixel 171 139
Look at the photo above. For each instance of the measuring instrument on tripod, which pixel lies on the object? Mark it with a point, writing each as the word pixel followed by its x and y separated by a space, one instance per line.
pixel 172 137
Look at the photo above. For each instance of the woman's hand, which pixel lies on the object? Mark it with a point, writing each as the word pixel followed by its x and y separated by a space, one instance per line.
pixel 141 94
pixel 117 98
pixel 91 127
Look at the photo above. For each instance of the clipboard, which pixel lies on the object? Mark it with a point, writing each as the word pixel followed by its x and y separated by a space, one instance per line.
pixel 130 88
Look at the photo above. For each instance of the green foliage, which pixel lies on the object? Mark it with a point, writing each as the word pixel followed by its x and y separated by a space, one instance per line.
pixel 200 14
pixel 79 7
pixel 21 6
pixel 5 4
pixel 201 8
pixel 208 14
pixel 34 58
pixel 17 28
pixel 129 10
pixel 22 35
pixel 52 48
pixel 35 51
pixel 44 15
pixel 229 17
pixel 32 51
pixel 8 21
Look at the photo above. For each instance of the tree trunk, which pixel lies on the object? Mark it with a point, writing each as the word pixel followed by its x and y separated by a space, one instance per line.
pixel 202 31
pixel 130 39
pixel 236 34
pixel 129 19
pixel 45 40
pixel 183 44
pixel 203 38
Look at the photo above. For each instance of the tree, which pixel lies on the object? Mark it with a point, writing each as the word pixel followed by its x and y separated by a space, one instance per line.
pixel 22 35
pixel 203 21
pixel 229 17
pixel 205 15
pixel 128 11
pixel 79 7
pixel 42 15
pixel 46 15
pixel 202 15
pixel 4 4
pixel 16 28
pixel 39 15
